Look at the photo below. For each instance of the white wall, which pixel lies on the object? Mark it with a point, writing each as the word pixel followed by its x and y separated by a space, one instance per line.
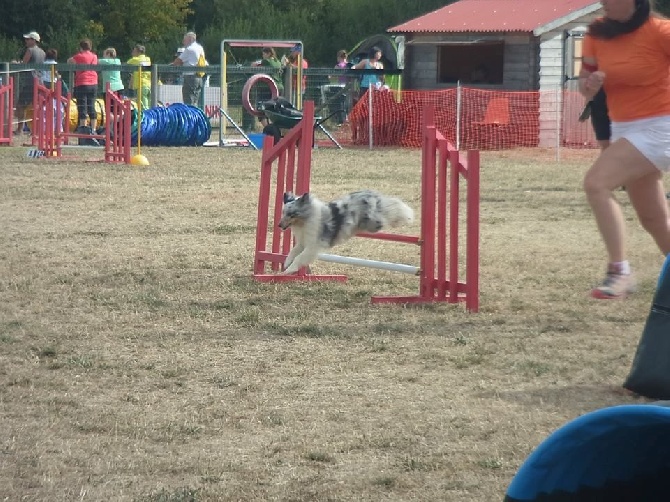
pixel 168 94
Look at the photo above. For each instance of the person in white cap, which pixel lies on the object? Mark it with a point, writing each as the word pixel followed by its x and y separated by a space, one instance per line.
pixel 32 55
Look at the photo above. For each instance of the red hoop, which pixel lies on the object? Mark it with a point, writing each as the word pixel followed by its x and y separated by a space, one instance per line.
pixel 259 77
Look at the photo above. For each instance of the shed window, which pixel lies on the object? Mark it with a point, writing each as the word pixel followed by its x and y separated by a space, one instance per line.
pixel 577 44
pixel 478 62
pixel 574 45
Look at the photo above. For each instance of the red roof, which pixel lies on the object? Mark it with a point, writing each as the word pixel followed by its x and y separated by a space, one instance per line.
pixel 495 15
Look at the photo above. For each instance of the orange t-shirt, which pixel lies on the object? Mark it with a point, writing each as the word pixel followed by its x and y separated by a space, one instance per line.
pixel 636 65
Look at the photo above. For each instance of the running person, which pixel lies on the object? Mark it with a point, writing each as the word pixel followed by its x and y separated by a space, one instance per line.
pixel 628 54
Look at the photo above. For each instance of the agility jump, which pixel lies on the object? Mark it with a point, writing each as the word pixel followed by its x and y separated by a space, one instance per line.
pixel 6 106
pixel 51 115
pixel 441 173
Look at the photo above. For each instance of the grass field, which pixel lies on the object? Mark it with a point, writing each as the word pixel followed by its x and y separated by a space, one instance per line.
pixel 139 361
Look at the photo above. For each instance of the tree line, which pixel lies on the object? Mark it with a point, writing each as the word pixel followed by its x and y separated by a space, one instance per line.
pixel 324 26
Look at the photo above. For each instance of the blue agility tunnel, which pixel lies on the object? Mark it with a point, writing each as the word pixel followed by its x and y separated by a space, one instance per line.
pixel 614 454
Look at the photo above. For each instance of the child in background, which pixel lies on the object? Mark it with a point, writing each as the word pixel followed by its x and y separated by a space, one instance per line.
pixel 143 87
pixel 47 81
pixel 342 99
pixel 111 77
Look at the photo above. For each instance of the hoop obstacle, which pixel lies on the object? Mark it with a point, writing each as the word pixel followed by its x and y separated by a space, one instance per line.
pixel 249 43
pixel 442 169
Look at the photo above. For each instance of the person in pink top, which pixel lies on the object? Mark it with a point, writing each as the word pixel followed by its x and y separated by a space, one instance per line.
pixel 85 84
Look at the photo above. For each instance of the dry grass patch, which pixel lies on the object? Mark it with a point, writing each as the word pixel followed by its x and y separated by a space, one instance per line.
pixel 139 361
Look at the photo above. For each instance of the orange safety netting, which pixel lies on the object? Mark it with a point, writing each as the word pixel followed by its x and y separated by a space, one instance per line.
pixel 485 120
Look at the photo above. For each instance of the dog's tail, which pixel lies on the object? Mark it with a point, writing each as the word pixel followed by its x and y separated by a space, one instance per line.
pixel 396 212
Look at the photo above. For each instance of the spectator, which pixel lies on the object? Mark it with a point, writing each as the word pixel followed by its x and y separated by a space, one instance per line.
pixel 342 64
pixel 270 61
pixel 177 78
pixel 625 53
pixel 85 86
pixel 33 54
pixel 111 77
pixel 370 79
pixel 293 58
pixel 341 100
pixel 193 55
pixel 141 86
pixel 47 80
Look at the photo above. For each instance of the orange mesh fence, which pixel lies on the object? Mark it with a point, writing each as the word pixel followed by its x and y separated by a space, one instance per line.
pixel 471 119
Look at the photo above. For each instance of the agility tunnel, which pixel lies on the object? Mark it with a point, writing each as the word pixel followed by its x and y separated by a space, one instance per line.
pixel 174 125
pixel 614 454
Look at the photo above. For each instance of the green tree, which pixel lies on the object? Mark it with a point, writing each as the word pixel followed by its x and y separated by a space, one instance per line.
pixel 662 6
pixel 52 20
pixel 150 22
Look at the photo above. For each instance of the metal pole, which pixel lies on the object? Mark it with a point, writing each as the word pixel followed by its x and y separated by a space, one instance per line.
pixel 154 86
pixel 558 124
pixel 459 97
pixel 8 119
pixel 370 139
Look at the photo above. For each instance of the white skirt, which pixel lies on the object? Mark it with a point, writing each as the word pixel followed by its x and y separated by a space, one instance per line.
pixel 650 136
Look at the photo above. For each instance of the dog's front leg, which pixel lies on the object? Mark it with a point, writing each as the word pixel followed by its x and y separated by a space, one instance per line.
pixel 303 259
pixel 295 251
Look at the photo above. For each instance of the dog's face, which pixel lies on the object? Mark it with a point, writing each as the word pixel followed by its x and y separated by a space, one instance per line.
pixel 295 210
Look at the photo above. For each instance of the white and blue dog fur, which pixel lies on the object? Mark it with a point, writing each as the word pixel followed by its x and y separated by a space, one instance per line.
pixel 318 226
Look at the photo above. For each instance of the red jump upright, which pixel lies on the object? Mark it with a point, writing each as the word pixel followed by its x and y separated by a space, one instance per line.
pixel 6 112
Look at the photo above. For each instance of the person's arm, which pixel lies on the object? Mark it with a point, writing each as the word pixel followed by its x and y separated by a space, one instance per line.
pixel 360 65
pixel 177 62
pixel 590 78
pixel 26 56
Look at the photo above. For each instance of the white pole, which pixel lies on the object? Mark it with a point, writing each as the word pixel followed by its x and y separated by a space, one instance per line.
pixel 383 265
pixel 558 123
pixel 459 97
pixel 370 116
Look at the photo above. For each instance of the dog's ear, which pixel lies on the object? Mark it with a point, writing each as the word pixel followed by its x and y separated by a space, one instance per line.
pixel 288 197
pixel 304 198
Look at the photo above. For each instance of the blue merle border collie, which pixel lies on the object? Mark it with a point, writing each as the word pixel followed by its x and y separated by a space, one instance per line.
pixel 318 226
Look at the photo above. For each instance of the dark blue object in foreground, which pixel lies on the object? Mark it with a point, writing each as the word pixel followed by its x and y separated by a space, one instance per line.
pixel 614 454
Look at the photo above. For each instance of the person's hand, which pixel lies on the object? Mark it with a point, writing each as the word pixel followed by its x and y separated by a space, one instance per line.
pixel 594 82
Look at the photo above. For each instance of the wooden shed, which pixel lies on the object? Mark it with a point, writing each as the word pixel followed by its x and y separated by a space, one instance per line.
pixel 512 45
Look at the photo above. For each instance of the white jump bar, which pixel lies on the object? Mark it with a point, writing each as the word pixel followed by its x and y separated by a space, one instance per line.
pixel 383 265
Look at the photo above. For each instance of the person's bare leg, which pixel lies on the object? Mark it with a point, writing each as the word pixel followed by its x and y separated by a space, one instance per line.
pixel 647 195
pixel 618 165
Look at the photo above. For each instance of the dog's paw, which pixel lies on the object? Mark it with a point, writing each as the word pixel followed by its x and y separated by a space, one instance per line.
pixel 294 270
pixel 290 270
